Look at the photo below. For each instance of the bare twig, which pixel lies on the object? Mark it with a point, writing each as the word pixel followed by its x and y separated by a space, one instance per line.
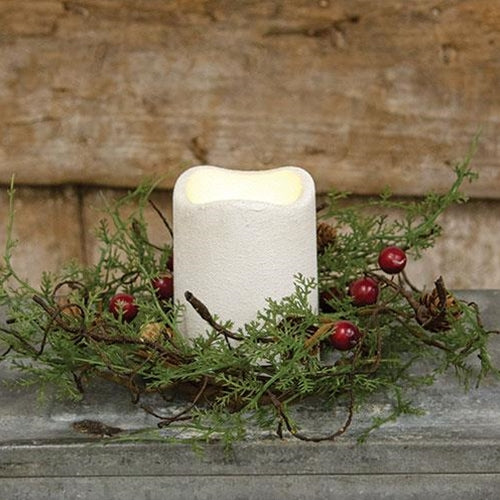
pixel 205 314
pixel 136 228
pixel 151 412
pixel 407 280
pixel 162 217
pixel 5 352
pixel 318 335
pixel 73 284
pixel 20 338
pixel 167 355
pixel 315 439
pixel 78 382
pixel 422 337
pixel 166 421
pixel 415 305
pixel 55 314
pixel 52 319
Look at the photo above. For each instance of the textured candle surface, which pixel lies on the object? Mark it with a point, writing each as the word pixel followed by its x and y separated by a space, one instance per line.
pixel 240 237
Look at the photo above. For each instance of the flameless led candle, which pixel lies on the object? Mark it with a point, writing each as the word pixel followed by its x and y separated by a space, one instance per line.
pixel 241 237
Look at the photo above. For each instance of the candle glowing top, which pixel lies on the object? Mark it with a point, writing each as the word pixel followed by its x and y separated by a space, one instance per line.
pixel 278 186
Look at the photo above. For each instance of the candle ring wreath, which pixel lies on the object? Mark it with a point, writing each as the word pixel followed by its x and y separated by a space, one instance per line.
pixel 117 320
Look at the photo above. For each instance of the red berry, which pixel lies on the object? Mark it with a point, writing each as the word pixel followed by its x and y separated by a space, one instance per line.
pixel 164 286
pixel 345 335
pixel 392 260
pixel 364 291
pixel 123 304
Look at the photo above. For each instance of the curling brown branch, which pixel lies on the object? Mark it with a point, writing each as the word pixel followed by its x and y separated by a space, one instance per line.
pixel 162 217
pixel 205 314
pixel 186 410
pixel 315 439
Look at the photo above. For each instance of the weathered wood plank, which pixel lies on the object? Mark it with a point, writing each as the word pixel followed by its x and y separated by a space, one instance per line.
pixel 364 94
pixel 466 255
pixel 94 202
pixel 55 225
pixel 47 229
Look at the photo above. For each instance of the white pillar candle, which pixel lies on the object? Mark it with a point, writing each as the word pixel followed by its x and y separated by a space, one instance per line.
pixel 240 237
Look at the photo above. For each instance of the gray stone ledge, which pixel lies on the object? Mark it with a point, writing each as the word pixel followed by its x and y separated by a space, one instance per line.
pixel 367 487
pixel 454 449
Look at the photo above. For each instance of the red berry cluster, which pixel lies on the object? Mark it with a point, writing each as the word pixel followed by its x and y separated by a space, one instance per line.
pixel 123 305
pixel 364 291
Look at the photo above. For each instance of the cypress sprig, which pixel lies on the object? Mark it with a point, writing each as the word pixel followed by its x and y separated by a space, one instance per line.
pixel 62 334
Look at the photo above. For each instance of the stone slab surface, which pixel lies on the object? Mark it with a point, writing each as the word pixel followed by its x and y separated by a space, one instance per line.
pixel 453 451
pixel 291 487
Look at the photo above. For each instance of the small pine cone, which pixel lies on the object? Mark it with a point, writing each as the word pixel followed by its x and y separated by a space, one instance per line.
pixel 432 315
pixel 325 235
pixel 151 332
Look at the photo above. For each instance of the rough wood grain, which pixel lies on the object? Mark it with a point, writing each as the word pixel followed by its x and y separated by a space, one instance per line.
pixel 364 94
pixel 94 202
pixel 47 228
pixel 55 225
pixel 466 255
